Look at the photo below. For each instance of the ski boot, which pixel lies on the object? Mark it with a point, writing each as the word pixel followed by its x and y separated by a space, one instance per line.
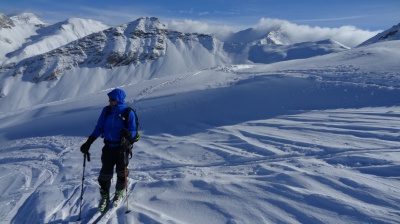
pixel 105 199
pixel 118 197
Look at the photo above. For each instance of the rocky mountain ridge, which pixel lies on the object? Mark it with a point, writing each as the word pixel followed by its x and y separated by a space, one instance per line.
pixel 40 38
pixel 129 44
pixel 387 35
pixel 143 40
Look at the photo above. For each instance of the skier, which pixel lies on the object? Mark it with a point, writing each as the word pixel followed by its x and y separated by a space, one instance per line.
pixel 114 127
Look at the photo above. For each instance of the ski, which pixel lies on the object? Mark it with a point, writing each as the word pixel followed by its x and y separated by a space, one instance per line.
pixel 110 209
pixel 106 213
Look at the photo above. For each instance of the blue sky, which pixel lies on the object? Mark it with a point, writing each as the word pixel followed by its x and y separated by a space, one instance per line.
pixel 363 14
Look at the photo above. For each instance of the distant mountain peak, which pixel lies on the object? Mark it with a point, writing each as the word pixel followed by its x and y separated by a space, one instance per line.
pixel 146 25
pixel 387 35
pixel 24 18
pixel 274 37
pixel 391 34
pixel 19 19
pixel 5 22
pixel 31 39
pixel 333 42
pixel 149 21
pixel 274 53
pixel 271 36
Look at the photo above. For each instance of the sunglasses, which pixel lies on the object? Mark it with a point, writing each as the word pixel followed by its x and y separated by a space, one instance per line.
pixel 111 99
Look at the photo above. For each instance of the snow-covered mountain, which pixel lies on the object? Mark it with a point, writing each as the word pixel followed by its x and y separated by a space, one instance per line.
pixel 135 43
pixel 270 53
pixel 53 36
pixel 5 22
pixel 15 30
pixel 274 35
pixel 273 43
pixel 136 51
pixel 387 35
pixel 25 35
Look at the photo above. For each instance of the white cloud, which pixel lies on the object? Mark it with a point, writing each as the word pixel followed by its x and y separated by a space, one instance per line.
pixel 347 35
pixel 291 32
pixel 203 13
pixel 186 11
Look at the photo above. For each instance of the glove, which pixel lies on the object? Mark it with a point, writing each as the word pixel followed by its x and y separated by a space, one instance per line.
pixel 125 133
pixel 86 146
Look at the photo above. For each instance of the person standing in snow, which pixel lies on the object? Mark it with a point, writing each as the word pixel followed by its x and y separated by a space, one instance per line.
pixel 113 127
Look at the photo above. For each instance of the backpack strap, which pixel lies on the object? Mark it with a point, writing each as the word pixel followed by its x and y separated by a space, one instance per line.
pixel 125 116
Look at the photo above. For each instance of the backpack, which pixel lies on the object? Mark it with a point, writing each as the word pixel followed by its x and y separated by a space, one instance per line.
pixel 125 117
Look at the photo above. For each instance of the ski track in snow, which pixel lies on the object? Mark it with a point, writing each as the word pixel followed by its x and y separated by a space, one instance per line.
pixel 309 170
pixel 306 168
pixel 34 165
pixel 152 89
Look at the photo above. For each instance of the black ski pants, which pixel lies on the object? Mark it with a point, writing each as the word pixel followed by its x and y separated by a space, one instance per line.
pixel 112 157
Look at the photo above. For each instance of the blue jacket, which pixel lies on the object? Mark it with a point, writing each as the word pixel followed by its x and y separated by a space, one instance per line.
pixel 111 125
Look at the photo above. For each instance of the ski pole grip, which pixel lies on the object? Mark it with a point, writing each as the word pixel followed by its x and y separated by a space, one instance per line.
pixel 88 157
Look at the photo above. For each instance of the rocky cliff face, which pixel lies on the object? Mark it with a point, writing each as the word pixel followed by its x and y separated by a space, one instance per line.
pixel 5 22
pixel 137 42
pixel 30 37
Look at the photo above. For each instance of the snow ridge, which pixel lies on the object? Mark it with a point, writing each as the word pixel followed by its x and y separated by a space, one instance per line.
pixel 387 35
pixel 5 22
pixel 51 37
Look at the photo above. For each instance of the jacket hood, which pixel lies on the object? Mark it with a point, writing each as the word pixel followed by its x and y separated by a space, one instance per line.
pixel 118 95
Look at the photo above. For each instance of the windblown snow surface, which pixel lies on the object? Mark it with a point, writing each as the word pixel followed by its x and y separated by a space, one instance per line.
pixel 305 141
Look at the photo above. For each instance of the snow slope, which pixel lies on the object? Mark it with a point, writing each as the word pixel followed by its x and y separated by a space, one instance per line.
pixel 387 35
pixel 129 53
pixel 53 36
pixel 24 35
pixel 304 141
pixel 15 30
pixel 270 53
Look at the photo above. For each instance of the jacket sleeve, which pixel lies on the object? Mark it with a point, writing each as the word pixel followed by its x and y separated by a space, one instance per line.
pixel 99 129
pixel 132 123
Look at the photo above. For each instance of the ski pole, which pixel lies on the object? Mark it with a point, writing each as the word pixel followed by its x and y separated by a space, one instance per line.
pixel 126 181
pixel 126 192
pixel 124 149
pixel 83 179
